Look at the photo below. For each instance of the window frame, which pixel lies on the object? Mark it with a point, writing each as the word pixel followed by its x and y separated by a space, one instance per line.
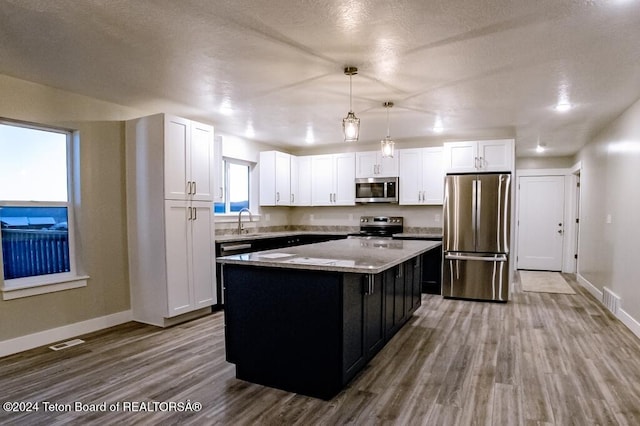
pixel 41 284
pixel 226 161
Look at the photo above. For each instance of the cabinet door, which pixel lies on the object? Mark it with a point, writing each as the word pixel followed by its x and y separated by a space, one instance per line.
pixel 460 157
pixel 366 164
pixel 374 314
pixel 176 153
pixel 416 269
pixel 432 176
pixel 201 162
pixel 344 181
pixel 177 230
pixel 303 196
pixel 388 166
pixel 202 259
pixel 399 295
pixel 495 155
pixel 267 178
pixel 283 179
pixel 353 324
pixel 410 176
pixel 218 171
pixel 322 182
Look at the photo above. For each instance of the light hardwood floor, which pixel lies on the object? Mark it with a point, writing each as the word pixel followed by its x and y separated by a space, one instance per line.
pixel 540 359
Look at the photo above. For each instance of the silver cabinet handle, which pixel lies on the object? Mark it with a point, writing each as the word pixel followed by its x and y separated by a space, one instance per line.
pixel 194 187
pixel 195 212
pixel 277 196
pixel 221 193
pixel 188 213
pixel 292 198
pixel 189 187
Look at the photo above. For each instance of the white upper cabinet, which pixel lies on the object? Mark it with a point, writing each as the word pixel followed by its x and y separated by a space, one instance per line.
pixel 373 164
pixel 421 176
pixel 188 160
pixel 275 178
pixel 218 170
pixel 479 156
pixel 333 180
pixel 301 181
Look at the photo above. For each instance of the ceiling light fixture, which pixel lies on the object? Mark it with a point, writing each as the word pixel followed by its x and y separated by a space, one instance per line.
pixel 563 106
pixel 437 126
pixel 387 144
pixel 540 148
pixel 351 123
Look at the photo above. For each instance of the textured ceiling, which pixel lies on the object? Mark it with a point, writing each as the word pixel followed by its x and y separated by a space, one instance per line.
pixel 272 70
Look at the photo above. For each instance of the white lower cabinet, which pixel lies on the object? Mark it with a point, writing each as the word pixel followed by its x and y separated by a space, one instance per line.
pixel 189 261
pixel 421 176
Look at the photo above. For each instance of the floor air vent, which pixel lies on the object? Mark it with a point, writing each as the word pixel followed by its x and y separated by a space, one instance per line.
pixel 67 344
pixel 610 300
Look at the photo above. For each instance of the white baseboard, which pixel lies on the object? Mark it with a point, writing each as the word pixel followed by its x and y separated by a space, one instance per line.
pixel 590 287
pixel 631 323
pixel 41 338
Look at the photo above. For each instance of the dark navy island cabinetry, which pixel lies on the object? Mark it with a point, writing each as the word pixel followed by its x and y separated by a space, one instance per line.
pixel 307 319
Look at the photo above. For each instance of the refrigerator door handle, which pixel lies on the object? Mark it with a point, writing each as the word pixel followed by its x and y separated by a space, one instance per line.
pixel 478 204
pixel 474 214
pixel 491 258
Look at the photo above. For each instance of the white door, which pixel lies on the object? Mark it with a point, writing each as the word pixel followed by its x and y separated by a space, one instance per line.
pixel 540 222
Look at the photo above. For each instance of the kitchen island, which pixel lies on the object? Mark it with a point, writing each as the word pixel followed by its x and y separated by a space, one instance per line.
pixel 306 319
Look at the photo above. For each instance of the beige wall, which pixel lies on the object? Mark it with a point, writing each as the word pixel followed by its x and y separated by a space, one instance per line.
pixel 101 219
pixel 609 183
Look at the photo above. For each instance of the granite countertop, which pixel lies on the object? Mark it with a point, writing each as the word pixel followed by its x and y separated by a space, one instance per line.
pixel 265 235
pixel 346 255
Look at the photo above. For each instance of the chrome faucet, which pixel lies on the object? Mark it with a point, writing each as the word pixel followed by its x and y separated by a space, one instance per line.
pixel 240 218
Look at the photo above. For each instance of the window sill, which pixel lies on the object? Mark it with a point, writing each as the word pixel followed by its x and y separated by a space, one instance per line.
pixel 233 217
pixel 43 287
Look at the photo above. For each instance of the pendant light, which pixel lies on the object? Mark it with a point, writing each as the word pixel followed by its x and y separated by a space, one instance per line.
pixel 387 144
pixel 351 123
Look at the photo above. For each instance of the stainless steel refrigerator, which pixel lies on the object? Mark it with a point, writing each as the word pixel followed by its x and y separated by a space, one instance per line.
pixel 475 244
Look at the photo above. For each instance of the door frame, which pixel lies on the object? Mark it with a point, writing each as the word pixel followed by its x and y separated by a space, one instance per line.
pixel 569 243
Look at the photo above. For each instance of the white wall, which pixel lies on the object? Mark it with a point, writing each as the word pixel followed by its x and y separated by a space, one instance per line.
pixel 609 250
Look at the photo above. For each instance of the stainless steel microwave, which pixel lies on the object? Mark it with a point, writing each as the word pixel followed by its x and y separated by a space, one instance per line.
pixel 377 190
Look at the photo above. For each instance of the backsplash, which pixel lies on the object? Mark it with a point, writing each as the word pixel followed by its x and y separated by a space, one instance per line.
pixel 253 228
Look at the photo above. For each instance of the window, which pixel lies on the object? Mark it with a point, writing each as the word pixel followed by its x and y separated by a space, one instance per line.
pixel 236 187
pixel 35 207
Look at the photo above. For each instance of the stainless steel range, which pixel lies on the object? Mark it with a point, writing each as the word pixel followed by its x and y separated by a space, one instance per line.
pixel 379 227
